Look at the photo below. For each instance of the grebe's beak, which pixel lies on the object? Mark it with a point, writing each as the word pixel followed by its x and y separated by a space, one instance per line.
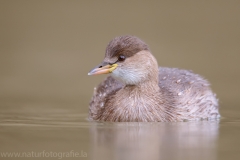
pixel 103 69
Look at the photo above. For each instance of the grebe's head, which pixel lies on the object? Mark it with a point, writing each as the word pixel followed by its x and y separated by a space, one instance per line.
pixel 129 60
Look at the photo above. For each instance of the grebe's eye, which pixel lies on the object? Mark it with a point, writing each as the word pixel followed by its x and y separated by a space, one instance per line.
pixel 121 58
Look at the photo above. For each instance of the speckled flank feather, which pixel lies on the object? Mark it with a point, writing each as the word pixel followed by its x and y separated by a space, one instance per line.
pixel 183 96
pixel 101 95
pixel 189 95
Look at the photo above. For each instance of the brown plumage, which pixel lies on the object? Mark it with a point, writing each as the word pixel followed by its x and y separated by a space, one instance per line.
pixel 139 91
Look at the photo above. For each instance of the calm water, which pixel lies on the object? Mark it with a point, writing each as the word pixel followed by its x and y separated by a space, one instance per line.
pixel 52 132
pixel 48 47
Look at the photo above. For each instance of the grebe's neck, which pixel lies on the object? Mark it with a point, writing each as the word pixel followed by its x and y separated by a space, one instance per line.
pixel 146 87
pixel 149 82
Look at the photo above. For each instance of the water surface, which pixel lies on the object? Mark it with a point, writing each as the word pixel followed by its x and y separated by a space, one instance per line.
pixel 52 132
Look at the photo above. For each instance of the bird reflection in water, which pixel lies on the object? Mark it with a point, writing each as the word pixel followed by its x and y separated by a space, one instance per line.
pixel 183 140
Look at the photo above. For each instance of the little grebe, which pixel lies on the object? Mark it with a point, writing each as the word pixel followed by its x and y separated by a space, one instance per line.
pixel 139 91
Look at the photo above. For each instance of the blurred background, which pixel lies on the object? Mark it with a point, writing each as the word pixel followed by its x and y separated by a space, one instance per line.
pixel 47 47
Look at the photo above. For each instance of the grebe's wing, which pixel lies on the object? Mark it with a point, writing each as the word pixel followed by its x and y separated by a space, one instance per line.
pixel 188 94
